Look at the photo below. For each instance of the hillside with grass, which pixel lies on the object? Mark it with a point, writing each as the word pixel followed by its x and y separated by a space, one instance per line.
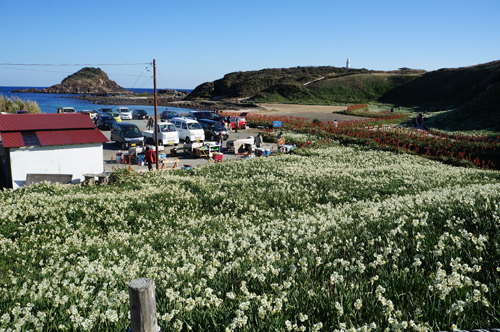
pixel 441 89
pixel 481 115
pixel 307 85
pixel 447 88
pixel 347 88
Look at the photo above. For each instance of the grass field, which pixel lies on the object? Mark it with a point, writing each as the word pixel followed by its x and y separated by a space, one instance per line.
pixel 334 238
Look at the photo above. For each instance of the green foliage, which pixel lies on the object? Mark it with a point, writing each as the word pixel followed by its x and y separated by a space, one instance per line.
pixel 203 91
pixel 447 88
pixel 479 116
pixel 9 105
pixel 351 88
pixel 246 84
pixel 86 74
pixel 121 176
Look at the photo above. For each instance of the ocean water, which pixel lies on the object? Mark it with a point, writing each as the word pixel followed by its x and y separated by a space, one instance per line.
pixel 49 102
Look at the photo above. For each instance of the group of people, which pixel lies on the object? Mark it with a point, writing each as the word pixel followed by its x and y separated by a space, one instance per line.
pixel 150 155
pixel 227 124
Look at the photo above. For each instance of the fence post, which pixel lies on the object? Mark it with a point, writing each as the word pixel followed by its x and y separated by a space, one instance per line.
pixel 142 305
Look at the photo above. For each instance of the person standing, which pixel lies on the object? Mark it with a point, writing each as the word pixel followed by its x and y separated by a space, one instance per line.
pixel 150 158
pixel 258 140
pixel 281 139
pixel 150 123
pixel 220 140
pixel 236 125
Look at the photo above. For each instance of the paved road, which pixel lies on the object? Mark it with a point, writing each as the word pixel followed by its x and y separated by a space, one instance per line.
pixel 110 150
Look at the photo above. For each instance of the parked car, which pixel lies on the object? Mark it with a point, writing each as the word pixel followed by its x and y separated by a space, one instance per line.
pixel 105 122
pixel 212 129
pixel 21 112
pixel 104 111
pixel 125 113
pixel 167 115
pixel 167 134
pixel 126 135
pixel 242 122
pixel 189 130
pixel 90 113
pixel 209 115
pixel 139 114
pixel 66 110
pixel 116 115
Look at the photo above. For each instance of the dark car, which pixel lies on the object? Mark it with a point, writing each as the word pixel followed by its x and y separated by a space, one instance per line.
pixel 208 115
pixel 126 135
pixel 105 122
pixel 212 129
pixel 22 112
pixel 139 114
pixel 167 115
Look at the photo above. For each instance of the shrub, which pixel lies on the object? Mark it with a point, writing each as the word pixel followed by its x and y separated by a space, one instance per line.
pixel 15 104
pixel 121 175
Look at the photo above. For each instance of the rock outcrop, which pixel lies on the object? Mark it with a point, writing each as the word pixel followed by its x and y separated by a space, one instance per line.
pixel 90 81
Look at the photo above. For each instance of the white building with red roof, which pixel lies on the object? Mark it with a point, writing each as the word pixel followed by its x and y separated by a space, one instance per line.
pixel 48 146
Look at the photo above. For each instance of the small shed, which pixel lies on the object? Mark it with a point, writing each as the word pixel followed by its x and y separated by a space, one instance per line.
pixel 48 146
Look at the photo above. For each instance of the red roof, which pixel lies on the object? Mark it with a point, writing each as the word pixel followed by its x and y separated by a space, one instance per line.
pixel 48 129
pixel 44 121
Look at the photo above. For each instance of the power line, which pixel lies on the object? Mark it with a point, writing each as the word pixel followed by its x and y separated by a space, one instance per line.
pixel 59 71
pixel 74 64
pixel 162 77
pixel 149 80
pixel 147 68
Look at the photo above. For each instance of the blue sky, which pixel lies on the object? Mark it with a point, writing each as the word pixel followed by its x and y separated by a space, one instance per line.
pixel 199 41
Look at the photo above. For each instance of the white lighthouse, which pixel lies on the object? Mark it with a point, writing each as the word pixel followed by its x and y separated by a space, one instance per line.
pixel 348 64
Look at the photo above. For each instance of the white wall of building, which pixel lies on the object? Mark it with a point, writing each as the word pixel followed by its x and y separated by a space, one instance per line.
pixel 66 159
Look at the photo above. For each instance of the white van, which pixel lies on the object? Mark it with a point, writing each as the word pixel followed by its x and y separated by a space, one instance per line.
pixel 167 134
pixel 189 130
pixel 125 113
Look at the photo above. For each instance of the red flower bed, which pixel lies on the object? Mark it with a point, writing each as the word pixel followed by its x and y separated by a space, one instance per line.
pixel 461 150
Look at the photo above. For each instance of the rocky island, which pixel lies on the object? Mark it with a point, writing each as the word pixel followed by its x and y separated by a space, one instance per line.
pixel 92 81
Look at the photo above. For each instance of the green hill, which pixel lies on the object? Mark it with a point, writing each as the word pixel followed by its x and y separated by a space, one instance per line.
pixel 351 88
pixel 482 113
pixel 308 85
pixel 471 93
pixel 447 88
pixel 319 85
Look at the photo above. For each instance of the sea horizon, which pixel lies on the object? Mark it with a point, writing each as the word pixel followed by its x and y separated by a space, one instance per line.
pixel 49 102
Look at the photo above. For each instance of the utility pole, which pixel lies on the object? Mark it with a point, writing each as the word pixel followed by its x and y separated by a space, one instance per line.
pixel 156 118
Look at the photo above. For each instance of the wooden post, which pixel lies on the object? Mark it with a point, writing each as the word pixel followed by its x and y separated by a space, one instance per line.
pixel 142 305
pixel 156 117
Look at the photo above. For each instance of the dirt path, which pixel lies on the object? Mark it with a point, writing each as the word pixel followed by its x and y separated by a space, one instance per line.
pixel 310 112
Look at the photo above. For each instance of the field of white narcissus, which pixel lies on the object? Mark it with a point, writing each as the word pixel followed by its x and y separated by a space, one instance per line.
pixel 330 239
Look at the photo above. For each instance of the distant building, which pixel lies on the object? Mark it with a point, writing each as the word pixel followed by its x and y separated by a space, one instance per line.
pixel 48 146
pixel 348 64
